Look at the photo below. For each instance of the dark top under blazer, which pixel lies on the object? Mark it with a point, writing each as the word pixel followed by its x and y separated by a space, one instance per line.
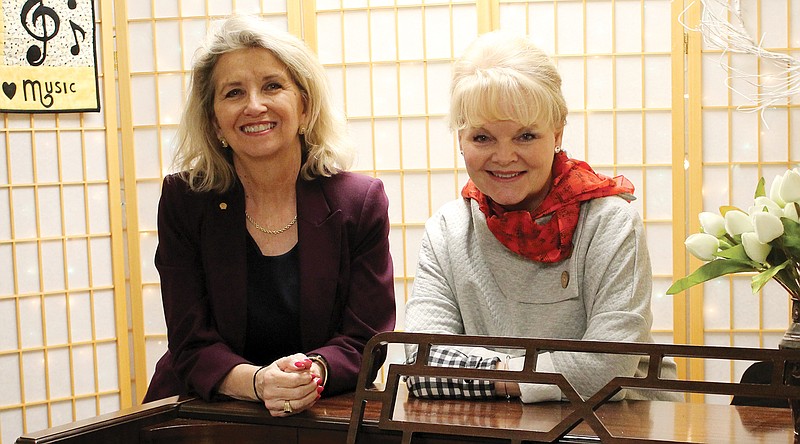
pixel 346 279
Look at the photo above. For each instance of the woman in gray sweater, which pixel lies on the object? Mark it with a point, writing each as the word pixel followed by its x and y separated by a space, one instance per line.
pixel 539 245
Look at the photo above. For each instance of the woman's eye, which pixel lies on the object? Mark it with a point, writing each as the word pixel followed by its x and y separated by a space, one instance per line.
pixel 233 93
pixel 527 137
pixel 272 86
pixel 480 138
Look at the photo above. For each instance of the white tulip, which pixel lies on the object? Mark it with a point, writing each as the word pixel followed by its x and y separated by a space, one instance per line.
pixel 775 191
pixel 767 227
pixel 790 212
pixel 702 246
pixel 755 250
pixel 712 223
pixel 764 202
pixel 790 186
pixel 737 222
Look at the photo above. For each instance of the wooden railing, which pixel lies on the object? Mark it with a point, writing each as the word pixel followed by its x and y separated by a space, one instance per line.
pixel 580 410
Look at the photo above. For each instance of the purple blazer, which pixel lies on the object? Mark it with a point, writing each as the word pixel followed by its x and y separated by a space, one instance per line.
pixel 346 279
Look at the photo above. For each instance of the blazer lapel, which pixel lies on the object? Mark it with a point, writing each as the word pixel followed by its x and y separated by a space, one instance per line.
pixel 320 249
pixel 225 262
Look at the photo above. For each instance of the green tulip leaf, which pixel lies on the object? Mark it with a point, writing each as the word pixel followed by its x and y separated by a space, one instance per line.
pixel 762 278
pixel 725 208
pixel 710 270
pixel 736 252
pixel 760 188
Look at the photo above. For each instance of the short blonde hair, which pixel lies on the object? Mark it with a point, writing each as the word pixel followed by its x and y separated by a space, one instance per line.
pixel 505 77
pixel 325 151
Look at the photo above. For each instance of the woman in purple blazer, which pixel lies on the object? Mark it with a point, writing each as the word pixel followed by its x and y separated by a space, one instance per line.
pixel 274 262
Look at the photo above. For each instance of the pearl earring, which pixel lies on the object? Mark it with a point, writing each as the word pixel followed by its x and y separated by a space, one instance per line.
pixel 558 149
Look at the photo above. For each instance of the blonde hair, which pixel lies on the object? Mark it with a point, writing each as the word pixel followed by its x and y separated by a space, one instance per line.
pixel 505 77
pixel 325 151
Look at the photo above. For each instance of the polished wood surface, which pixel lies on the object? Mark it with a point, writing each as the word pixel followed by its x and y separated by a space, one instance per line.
pixel 176 421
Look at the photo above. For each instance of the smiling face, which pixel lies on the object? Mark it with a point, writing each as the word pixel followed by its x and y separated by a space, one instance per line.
pixel 510 163
pixel 258 108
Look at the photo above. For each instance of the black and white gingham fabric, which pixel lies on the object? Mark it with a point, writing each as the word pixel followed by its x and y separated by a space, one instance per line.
pixel 450 388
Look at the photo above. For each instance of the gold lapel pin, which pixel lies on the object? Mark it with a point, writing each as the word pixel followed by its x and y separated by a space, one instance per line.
pixel 223 206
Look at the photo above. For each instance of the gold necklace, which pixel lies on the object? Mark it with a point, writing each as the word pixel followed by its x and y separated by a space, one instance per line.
pixel 264 230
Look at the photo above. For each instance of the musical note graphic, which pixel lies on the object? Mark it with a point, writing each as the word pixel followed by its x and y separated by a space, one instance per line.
pixel 35 14
pixel 76 49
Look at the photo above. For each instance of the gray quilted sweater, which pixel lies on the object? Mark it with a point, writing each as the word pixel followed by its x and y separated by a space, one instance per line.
pixel 468 283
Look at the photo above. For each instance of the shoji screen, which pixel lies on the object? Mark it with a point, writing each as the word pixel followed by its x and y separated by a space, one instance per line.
pixel 63 330
pixel 729 150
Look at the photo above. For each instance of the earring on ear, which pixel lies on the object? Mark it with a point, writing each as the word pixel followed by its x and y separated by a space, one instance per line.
pixel 223 142
pixel 301 130
pixel 558 149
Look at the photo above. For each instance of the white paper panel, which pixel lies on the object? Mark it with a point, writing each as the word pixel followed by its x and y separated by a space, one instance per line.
pixel 744 138
pixel 83 362
pixel 659 242
pixel 628 26
pixel 74 210
pixel 55 309
pixel 542 21
pixel 658 202
pixel 21 158
pixel 95 149
pixel 598 35
pixel 416 199
pixel 657 24
pixel 412 86
pixel 629 82
pixel 170 98
pixel 384 90
pixel 27 259
pixel 415 144
pixel 409 39
pixel 58 365
pixel 443 145
pixel 357 84
pixel 141 47
pixel 50 211
pixel 600 132
pixel 387 144
pixel 356 28
pixel 72 160
pixel 658 138
pixel 53 265
pixel 382 35
pixel 629 139
pixel 437 27
pixel 107 374
pixel 658 85
pixel 360 132
pixel 570 37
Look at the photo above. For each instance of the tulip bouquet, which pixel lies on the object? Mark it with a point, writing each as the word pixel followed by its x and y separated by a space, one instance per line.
pixel 765 239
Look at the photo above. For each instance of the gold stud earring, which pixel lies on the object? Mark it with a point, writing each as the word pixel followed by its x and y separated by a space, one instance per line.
pixel 301 130
pixel 223 142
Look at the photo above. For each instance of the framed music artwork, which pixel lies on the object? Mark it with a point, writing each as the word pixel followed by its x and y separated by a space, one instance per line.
pixel 49 57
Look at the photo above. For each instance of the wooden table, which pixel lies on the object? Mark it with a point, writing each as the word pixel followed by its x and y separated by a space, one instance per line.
pixel 175 421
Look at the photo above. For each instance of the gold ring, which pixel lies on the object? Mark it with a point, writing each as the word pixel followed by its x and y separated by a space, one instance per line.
pixel 287 408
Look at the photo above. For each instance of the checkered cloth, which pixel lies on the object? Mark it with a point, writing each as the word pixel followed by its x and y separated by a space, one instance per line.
pixel 441 388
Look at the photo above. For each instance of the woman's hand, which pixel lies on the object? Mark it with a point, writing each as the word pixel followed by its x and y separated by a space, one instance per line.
pixel 288 385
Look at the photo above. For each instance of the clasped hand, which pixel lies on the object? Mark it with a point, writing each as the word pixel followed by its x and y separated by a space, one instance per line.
pixel 289 385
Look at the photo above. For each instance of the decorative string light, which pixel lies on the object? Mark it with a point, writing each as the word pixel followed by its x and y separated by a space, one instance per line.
pixel 722 27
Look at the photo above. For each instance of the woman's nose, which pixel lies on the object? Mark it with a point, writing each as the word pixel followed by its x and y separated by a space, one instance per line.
pixel 256 104
pixel 504 154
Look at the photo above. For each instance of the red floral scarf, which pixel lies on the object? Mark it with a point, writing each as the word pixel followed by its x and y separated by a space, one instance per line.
pixel 545 235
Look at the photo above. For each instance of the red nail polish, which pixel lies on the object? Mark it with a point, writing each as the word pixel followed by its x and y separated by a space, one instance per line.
pixel 319 382
pixel 320 389
pixel 299 364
